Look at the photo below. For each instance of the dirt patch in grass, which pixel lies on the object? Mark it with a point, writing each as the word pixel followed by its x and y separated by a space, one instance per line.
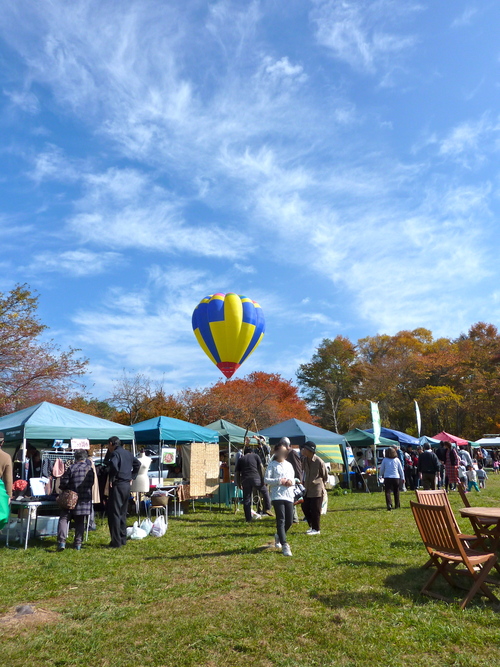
pixel 25 617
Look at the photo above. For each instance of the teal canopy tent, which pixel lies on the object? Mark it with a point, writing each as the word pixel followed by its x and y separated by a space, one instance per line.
pixel 330 446
pixel 168 429
pixel 47 421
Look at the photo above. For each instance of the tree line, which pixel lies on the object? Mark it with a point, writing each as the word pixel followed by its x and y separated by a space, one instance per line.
pixel 456 381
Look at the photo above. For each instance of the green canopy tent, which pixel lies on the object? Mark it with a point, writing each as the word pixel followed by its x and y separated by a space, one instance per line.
pixel 47 421
pixel 358 438
pixel 230 434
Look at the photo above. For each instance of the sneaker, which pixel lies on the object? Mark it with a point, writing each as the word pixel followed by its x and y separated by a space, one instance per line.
pixel 286 550
pixel 277 543
pixel 313 532
pixel 61 546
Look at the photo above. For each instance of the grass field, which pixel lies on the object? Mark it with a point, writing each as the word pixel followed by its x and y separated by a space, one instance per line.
pixel 212 593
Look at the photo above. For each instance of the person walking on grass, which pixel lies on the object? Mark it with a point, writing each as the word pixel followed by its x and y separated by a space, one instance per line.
pixel 315 476
pixel 392 472
pixel 481 476
pixel 280 476
pixel 471 479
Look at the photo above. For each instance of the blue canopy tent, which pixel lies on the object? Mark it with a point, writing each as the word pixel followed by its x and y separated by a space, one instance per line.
pixel 398 436
pixel 330 446
pixel 170 430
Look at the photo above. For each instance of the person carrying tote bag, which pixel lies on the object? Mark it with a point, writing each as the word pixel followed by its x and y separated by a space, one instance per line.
pixel 77 481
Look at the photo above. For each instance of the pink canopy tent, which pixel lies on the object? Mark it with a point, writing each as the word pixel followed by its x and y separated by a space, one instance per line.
pixel 447 437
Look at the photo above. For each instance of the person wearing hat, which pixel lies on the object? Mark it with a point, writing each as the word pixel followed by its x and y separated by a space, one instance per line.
pixel 5 467
pixel 315 476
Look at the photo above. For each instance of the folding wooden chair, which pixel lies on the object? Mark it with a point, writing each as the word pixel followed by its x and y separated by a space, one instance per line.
pixel 448 552
pixel 483 527
pixel 441 498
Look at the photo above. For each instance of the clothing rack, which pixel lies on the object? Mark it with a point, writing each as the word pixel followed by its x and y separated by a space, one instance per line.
pixel 51 455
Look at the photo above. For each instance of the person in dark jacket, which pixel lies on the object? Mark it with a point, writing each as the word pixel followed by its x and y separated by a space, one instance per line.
pixel 428 468
pixel 79 477
pixel 123 468
pixel 249 474
pixel 293 457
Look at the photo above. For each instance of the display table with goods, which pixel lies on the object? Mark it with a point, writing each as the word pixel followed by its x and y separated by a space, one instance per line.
pixel 28 512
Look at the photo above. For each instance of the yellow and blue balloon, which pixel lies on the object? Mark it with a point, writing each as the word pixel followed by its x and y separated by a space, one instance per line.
pixel 228 328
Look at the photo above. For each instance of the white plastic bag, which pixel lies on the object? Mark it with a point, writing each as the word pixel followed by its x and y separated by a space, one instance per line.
pixel 137 533
pixel 159 527
pixel 146 525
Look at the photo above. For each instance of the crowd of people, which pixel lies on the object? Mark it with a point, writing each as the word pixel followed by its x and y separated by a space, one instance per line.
pixel 293 479
pixel 424 468
pixel 284 480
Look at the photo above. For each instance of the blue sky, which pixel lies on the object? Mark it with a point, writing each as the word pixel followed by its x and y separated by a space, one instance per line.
pixel 337 161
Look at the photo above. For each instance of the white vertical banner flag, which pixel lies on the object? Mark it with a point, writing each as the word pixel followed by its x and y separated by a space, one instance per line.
pixel 376 422
pixel 419 418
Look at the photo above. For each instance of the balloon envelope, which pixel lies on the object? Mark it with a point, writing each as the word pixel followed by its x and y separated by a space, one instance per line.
pixel 228 328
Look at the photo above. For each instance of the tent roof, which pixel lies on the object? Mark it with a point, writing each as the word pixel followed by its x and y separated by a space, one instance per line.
pixel 169 429
pixel 230 433
pixel 399 436
pixel 493 442
pixel 299 432
pixel 47 421
pixel 447 437
pixel 360 438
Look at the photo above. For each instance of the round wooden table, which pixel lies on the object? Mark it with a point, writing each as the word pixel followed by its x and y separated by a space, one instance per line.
pixel 485 522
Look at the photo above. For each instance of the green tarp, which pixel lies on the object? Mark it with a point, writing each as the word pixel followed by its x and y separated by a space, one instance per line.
pixel 230 434
pixel 359 438
pixel 47 421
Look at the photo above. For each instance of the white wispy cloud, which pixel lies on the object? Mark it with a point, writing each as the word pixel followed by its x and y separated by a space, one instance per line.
pixel 465 18
pixel 76 263
pixel 362 33
pixel 471 140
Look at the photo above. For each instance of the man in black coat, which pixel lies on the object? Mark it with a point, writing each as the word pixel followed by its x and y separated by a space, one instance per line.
pixel 249 474
pixel 122 470
pixel 428 468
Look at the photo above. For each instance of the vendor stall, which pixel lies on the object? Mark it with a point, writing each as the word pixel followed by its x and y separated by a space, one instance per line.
pixel 51 433
pixel 194 450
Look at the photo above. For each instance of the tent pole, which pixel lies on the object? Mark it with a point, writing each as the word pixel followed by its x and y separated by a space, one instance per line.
pixel 23 460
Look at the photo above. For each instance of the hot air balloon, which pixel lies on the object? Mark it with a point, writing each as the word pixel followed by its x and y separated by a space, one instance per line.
pixel 228 328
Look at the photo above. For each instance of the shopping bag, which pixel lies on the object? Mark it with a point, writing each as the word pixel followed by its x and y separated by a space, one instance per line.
pixel 4 505
pixel 137 533
pixel 146 525
pixel 159 527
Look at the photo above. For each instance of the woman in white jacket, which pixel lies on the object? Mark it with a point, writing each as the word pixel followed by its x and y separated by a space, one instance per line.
pixel 392 472
pixel 280 477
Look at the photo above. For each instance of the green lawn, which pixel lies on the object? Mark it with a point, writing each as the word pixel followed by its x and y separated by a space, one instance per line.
pixel 210 594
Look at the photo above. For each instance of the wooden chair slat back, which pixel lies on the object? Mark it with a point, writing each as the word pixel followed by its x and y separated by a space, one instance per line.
pixel 463 495
pixel 436 528
pixel 437 498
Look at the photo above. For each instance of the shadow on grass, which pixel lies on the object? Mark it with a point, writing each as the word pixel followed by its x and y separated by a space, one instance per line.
pixel 406 583
pixel 383 565
pixel 212 554
pixel 359 509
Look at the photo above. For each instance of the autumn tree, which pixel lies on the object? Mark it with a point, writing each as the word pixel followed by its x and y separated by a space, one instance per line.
pixel 258 400
pixel 32 369
pixel 332 375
